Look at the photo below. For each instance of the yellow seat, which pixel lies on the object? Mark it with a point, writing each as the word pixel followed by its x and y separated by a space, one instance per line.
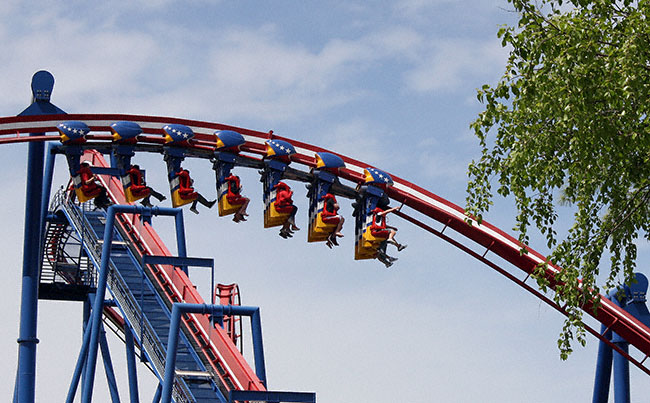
pixel 81 196
pixel 126 184
pixel 274 218
pixel 225 207
pixel 319 230
pixel 177 201
pixel 367 245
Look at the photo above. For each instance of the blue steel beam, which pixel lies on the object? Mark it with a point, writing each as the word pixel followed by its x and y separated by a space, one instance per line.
pixel 130 363
pixel 632 298
pixel 216 310
pixel 158 394
pixel 108 367
pixel 603 369
pixel 621 375
pixel 178 261
pixel 42 85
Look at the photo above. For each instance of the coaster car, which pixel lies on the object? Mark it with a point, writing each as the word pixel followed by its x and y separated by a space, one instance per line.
pixel 182 190
pixel 281 206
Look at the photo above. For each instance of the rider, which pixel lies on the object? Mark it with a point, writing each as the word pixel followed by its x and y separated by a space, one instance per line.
pixel 234 197
pixel 378 228
pixel 330 215
pixel 91 188
pixel 284 204
pixel 186 191
pixel 139 188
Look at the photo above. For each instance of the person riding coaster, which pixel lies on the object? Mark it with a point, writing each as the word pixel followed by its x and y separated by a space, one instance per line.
pixel 235 198
pixel 186 191
pixel 90 188
pixel 284 204
pixel 330 215
pixel 139 188
pixel 378 228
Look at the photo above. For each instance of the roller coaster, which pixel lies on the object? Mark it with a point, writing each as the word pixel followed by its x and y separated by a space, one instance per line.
pixel 94 243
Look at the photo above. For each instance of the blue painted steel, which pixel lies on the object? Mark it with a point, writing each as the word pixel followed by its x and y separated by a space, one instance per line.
pixel 73 131
pixel 632 299
pixel 178 261
pixel 42 84
pixel 130 363
pixel 329 160
pixel 47 180
pixel 603 369
pixel 228 139
pixel 279 148
pixel 374 175
pixel 108 366
pixel 125 130
pixel 271 397
pixel 106 171
pixel 88 303
pixel 216 310
pixel 177 133
pixel 101 285
pixel 181 245
pixel 79 367
pixel 98 307
pixel 156 313
pixel 621 375
pixel 184 263
pixel 158 394
pixel 170 359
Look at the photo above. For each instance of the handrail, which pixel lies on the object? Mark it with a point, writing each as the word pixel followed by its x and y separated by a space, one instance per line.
pixel 126 301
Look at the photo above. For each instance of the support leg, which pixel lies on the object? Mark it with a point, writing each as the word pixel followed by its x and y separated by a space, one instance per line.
pixel 108 367
pixel 29 296
pixel 130 362
pixel 603 370
pixel 621 376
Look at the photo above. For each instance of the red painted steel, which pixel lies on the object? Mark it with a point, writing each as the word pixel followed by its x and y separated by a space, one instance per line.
pixel 214 342
pixel 415 197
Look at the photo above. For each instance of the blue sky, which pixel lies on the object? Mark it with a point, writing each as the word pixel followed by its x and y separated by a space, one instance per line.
pixel 392 84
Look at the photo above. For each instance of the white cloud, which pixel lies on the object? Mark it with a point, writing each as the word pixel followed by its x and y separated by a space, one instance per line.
pixel 361 140
pixel 453 63
pixel 415 8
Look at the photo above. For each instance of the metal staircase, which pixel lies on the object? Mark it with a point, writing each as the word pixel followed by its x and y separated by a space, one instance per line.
pixel 141 306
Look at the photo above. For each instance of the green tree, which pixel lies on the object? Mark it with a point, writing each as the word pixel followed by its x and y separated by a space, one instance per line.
pixel 569 123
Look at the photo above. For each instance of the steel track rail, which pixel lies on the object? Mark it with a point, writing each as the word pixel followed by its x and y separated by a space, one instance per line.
pixel 14 130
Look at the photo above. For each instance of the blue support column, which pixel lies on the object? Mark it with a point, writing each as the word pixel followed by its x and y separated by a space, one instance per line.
pixel 47 180
pixel 88 303
pixel 621 375
pixel 98 307
pixel 79 367
pixel 130 362
pixel 603 369
pixel 42 85
pixel 170 360
pixel 216 310
pixel 632 298
pixel 108 367
pixel 158 394
pixel 180 238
